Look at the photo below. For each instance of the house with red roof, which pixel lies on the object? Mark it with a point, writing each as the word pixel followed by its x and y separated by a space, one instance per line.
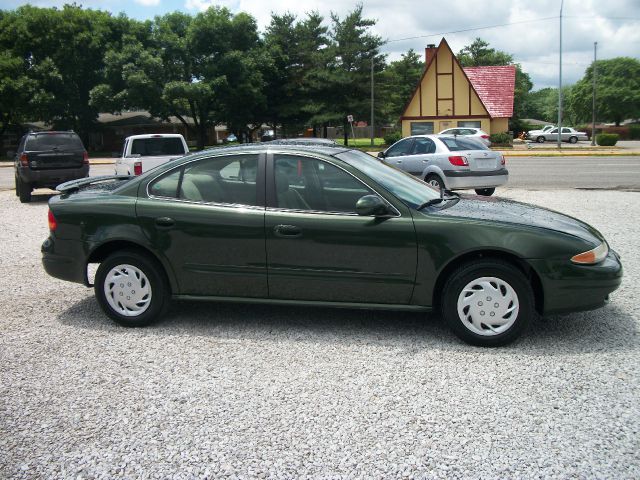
pixel 449 96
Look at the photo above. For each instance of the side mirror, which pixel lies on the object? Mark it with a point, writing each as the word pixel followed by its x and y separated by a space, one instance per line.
pixel 371 205
pixel 10 153
pixel 381 155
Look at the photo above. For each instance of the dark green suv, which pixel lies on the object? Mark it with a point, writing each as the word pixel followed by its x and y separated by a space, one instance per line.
pixel 46 159
pixel 322 225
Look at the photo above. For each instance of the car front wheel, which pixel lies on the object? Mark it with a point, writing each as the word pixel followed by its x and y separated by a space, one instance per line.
pixel 540 139
pixel 132 289
pixel 487 302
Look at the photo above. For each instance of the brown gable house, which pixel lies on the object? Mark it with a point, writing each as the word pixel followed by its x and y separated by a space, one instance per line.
pixel 449 96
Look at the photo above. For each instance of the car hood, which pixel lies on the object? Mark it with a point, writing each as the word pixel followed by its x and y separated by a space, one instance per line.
pixel 495 209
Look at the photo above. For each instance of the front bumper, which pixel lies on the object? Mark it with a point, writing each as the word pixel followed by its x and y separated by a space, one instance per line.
pixel 64 259
pixel 572 288
pixel 459 180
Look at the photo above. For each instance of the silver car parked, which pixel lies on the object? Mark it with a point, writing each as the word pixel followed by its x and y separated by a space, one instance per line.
pixel 450 162
pixel 474 133
pixel 568 134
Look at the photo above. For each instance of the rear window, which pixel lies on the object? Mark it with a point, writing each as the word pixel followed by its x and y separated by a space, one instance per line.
pixel 51 141
pixel 149 147
pixel 457 144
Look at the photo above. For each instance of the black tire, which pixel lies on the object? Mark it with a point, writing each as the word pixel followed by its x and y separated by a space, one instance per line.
pixel 160 292
pixel 24 190
pixel 540 139
pixel 503 271
pixel 486 192
pixel 433 179
pixel 573 139
pixel 17 186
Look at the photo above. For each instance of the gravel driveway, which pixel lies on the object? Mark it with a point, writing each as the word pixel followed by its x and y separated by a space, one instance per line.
pixel 245 391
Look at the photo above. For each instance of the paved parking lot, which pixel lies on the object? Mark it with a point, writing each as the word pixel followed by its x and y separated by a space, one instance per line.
pixel 240 391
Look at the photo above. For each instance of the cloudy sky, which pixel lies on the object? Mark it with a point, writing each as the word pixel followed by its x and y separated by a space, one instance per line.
pixel 532 35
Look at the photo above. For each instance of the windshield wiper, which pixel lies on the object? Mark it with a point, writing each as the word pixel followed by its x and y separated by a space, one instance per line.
pixel 434 201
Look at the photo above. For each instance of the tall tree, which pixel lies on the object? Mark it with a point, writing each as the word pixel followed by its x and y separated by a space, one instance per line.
pixel 397 83
pixel 479 54
pixel 203 70
pixel 617 91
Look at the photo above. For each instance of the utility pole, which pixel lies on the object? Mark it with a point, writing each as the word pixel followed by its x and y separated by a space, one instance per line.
pixel 593 123
pixel 560 84
pixel 372 124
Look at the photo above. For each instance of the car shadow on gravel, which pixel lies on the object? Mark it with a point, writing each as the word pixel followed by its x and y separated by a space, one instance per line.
pixel 587 332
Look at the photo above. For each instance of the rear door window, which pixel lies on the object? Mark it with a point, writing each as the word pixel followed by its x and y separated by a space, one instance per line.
pixel 54 141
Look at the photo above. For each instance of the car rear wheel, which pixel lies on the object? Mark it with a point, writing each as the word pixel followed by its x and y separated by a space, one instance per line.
pixel 487 192
pixel 540 139
pixel 23 190
pixel 132 289
pixel 435 181
pixel 573 139
pixel 487 302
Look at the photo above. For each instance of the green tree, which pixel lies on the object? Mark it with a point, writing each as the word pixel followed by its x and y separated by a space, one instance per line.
pixel 397 83
pixel 617 91
pixel 203 70
pixel 479 54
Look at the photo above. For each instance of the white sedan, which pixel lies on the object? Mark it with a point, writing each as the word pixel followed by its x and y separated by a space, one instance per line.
pixel 568 134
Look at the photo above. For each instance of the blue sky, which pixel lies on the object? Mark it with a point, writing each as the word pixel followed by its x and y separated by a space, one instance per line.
pixel 530 36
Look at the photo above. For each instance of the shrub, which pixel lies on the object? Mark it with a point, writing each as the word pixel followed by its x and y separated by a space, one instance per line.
pixel 500 138
pixel 607 139
pixel 392 137
pixel 634 132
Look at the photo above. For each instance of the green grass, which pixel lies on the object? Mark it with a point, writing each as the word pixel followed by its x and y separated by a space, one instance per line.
pixel 362 142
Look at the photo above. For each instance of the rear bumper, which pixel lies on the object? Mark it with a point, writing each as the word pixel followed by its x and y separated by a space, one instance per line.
pixel 572 288
pixel 455 179
pixel 64 259
pixel 52 177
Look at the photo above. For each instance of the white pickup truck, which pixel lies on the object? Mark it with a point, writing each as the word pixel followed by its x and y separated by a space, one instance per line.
pixel 141 153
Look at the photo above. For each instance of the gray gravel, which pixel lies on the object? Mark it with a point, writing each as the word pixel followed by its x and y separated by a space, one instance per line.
pixel 219 390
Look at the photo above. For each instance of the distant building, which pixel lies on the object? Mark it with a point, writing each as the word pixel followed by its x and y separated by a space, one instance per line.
pixel 449 96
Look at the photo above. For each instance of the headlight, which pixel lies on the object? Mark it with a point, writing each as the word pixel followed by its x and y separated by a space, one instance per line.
pixel 592 256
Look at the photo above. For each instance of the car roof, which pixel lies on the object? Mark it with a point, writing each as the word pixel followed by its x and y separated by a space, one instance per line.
pixel 155 135
pixel 53 132
pixel 282 145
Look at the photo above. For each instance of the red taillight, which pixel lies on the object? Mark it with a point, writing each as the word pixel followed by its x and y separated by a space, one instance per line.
pixel 85 158
pixel 53 223
pixel 24 160
pixel 137 168
pixel 459 161
pixel 484 136
pixel 503 161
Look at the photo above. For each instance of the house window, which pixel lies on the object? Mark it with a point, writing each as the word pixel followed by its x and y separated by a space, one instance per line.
pixel 470 124
pixel 421 128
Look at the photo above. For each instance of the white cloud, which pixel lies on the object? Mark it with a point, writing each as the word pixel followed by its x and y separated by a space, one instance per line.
pixel 534 44
pixel 148 3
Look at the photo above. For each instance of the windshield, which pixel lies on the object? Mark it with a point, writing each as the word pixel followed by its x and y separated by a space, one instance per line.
pixel 457 144
pixel 411 190
pixel 52 141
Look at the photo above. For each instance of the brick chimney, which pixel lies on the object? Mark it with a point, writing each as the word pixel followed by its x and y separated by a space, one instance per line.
pixel 429 52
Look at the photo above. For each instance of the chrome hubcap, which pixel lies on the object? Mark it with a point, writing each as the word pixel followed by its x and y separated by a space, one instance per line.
pixel 488 306
pixel 127 290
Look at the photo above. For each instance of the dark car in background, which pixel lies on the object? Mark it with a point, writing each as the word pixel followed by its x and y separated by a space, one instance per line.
pixel 46 159
pixel 321 225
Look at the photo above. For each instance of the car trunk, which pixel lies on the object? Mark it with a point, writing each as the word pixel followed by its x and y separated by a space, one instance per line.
pixel 483 160
pixel 53 159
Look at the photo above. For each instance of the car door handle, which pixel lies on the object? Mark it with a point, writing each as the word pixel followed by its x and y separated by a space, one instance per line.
pixel 165 222
pixel 287 231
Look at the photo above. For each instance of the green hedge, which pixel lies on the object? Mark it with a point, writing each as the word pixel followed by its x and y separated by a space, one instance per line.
pixel 500 138
pixel 634 132
pixel 392 137
pixel 607 139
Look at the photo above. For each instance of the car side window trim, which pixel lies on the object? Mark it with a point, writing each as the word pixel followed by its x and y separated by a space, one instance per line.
pixel 271 201
pixel 260 179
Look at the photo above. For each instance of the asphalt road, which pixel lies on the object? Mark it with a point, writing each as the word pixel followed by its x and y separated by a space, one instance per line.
pixel 606 173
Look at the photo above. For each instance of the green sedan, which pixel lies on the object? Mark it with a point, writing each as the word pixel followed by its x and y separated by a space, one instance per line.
pixel 322 225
